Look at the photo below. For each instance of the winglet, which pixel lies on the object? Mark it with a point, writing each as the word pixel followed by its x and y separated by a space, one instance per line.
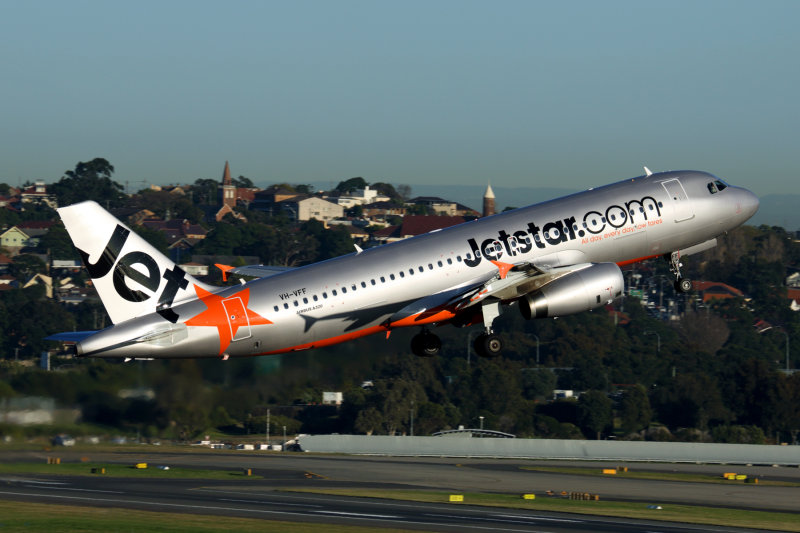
pixel 358 249
pixel 648 172
pixel 225 269
pixel 503 268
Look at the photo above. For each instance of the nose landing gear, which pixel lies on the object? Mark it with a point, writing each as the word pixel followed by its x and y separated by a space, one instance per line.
pixel 682 285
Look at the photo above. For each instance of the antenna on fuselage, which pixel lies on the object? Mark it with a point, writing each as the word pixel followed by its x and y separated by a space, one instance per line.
pixel 648 172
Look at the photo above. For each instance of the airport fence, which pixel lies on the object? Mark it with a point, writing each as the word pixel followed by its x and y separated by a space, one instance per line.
pixel 678 452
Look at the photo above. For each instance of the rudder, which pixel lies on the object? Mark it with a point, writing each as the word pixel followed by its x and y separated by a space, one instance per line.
pixel 132 277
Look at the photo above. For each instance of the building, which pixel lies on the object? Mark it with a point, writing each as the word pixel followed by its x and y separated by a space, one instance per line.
pixel 414 225
pixel 303 208
pixel 714 290
pixel 37 194
pixel 360 197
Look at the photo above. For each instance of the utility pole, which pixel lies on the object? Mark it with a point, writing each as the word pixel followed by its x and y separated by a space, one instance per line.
pixel 267 427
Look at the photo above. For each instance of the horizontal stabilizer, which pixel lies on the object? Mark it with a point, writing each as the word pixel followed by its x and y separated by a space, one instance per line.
pixel 70 336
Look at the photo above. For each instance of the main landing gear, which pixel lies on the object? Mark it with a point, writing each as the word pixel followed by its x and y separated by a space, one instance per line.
pixel 487 344
pixel 426 344
pixel 682 285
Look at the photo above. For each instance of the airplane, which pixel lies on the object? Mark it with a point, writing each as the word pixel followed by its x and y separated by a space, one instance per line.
pixel 552 259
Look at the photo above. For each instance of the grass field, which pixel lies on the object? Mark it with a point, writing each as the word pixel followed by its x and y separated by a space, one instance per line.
pixel 33 517
pixel 118 470
pixel 653 476
pixel 671 513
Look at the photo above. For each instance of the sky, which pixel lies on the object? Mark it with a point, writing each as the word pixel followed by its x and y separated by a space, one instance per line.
pixel 569 94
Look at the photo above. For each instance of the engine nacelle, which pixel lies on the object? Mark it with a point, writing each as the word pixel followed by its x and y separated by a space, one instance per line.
pixel 585 289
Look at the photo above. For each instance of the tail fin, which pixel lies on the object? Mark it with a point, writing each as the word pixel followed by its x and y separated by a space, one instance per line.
pixel 132 277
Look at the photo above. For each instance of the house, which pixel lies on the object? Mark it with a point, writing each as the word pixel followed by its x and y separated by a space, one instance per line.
pixel 14 239
pixel 195 269
pixel 177 229
pixel 384 209
pixel 414 225
pixel 714 290
pixel 303 208
pixel 41 279
pixel 360 197
pixel 37 195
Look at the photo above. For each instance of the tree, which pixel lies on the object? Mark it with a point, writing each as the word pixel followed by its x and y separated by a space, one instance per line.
pixel 25 266
pixel 57 244
pixel 594 413
pixel 90 180
pixel 351 185
pixel 243 182
pixel 635 410
pixel 368 420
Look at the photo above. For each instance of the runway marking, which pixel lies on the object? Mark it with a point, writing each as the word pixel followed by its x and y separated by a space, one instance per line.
pixel 85 490
pixel 539 518
pixel 34 482
pixel 261 511
pixel 343 513
pixel 267 502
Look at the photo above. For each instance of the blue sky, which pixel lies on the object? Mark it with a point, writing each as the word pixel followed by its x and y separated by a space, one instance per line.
pixel 567 94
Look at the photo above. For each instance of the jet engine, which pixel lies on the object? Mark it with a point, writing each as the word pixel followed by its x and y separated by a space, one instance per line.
pixel 588 288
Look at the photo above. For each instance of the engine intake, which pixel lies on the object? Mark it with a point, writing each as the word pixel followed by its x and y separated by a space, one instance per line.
pixel 585 289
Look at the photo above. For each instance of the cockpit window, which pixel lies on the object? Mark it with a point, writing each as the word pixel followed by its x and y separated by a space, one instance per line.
pixel 712 188
pixel 721 185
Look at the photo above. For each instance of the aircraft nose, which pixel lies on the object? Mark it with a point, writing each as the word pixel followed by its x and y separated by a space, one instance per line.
pixel 748 203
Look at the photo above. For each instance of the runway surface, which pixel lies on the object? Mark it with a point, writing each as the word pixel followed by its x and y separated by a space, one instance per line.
pixel 262 498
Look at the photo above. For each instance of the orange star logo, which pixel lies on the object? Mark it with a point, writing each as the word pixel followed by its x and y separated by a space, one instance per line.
pixel 228 315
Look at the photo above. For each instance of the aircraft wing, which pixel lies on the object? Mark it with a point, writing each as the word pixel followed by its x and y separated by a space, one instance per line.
pixel 508 283
pixel 70 336
pixel 255 271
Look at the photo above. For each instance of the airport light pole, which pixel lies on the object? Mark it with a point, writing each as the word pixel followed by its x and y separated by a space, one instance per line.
pixel 469 344
pixel 787 348
pixel 537 346
pixel 658 343
pixel 481 418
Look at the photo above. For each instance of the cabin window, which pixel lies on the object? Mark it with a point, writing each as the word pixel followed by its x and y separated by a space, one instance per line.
pixel 315 297
pixel 391 277
pixel 286 306
pixel 344 290
pixel 353 286
pixel 440 264
pixel 305 300
pixel 372 281
pixel 402 274
pixel 449 261
pixel 420 268
pixel 458 258
pixel 276 308
pixel 410 271
pixel 296 303
pixel 660 204
pixel 325 295
pixel 383 279
pixel 333 292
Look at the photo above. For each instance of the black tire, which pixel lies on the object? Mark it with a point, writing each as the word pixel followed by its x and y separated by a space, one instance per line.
pixel 685 285
pixel 426 345
pixel 488 346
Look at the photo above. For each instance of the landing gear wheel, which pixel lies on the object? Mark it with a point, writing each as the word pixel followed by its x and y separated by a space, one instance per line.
pixel 683 285
pixel 488 345
pixel 425 344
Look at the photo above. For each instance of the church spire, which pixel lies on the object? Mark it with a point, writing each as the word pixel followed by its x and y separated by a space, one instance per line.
pixel 488 201
pixel 226 175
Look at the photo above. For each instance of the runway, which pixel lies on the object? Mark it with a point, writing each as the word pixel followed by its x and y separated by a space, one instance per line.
pixel 262 498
